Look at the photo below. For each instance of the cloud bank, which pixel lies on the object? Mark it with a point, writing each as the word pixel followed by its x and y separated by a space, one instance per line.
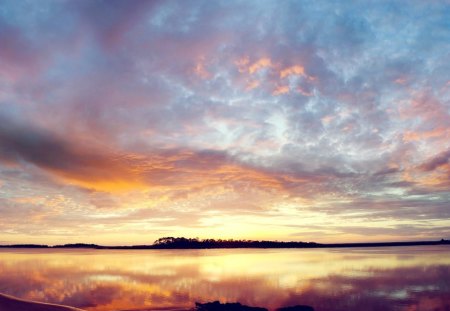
pixel 250 119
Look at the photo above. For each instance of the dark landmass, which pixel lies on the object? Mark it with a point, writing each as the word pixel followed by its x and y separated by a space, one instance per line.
pixel 171 242
pixel 26 246
pixel 185 243
pixel 217 306
pixel 78 245
pixel 296 308
pixel 10 303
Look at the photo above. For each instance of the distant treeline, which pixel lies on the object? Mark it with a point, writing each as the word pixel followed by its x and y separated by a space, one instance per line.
pixel 195 243
pixel 171 242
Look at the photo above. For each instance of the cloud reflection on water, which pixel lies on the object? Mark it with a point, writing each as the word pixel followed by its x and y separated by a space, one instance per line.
pixel 371 279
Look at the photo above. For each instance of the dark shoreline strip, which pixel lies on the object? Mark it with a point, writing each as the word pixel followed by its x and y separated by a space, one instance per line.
pixel 10 303
pixel 238 244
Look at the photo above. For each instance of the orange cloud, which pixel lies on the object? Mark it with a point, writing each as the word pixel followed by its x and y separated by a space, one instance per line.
pixel 261 63
pixel 252 85
pixel 437 179
pixel 281 90
pixel 293 70
pixel 275 75
pixel 409 136
pixel 107 170
pixel 200 69
pixel 184 172
pixel 433 173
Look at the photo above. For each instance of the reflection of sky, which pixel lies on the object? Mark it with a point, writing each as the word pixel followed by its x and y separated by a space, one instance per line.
pixel 369 279
pixel 125 121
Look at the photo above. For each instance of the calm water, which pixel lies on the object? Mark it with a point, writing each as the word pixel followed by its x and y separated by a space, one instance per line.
pixel 405 278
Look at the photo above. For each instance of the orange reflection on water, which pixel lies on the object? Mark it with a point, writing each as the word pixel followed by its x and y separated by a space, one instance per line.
pixel 407 278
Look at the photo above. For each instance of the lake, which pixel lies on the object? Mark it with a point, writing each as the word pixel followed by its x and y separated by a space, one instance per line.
pixel 387 278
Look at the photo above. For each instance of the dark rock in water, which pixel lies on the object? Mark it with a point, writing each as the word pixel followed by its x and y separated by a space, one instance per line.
pixel 296 308
pixel 217 306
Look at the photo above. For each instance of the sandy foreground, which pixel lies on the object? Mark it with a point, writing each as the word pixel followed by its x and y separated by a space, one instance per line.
pixel 9 303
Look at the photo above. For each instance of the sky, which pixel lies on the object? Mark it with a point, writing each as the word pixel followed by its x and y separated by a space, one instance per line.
pixel 125 121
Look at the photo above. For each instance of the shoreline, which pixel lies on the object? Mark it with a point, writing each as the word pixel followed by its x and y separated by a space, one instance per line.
pixel 10 303
pixel 258 245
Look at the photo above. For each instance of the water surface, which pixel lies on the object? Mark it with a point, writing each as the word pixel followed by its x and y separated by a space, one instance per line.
pixel 390 278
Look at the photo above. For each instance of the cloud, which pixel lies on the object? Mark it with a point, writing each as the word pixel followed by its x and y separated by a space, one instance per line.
pixel 63 159
pixel 438 161
pixel 114 171
pixel 111 21
pixel 225 103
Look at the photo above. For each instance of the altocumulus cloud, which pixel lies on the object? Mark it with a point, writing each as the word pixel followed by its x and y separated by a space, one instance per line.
pixel 314 112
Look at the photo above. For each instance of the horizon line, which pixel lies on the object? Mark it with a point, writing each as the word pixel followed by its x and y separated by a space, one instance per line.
pixel 220 243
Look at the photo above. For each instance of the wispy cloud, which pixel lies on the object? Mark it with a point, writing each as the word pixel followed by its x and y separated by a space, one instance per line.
pixel 290 108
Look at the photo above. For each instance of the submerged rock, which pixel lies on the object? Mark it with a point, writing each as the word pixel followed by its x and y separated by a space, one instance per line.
pixel 296 308
pixel 217 306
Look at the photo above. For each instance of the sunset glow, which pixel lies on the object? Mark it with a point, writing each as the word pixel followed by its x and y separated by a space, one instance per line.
pixel 125 121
